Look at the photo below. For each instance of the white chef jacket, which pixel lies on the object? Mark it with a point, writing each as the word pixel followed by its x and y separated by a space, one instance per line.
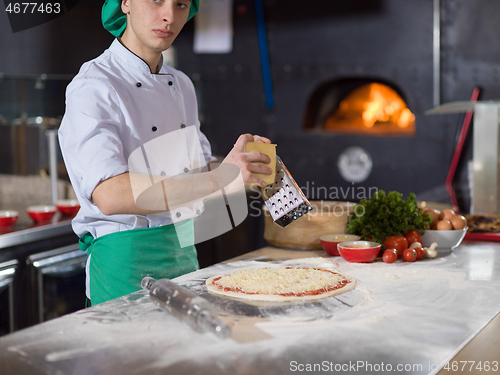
pixel 115 107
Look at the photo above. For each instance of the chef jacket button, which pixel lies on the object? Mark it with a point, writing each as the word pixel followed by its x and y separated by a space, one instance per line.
pixel 154 128
pixel 138 84
pixel 186 170
pixel 170 83
pixel 183 126
pixel 198 212
pixel 163 173
pixel 178 214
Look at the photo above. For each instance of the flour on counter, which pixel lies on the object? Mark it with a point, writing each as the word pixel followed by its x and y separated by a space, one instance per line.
pixel 433 305
pixel 384 291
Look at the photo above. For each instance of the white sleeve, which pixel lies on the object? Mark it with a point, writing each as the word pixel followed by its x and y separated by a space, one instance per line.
pixel 90 134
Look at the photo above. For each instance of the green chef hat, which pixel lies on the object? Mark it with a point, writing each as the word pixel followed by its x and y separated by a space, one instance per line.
pixel 115 21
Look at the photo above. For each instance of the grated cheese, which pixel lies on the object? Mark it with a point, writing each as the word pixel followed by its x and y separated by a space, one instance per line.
pixel 285 281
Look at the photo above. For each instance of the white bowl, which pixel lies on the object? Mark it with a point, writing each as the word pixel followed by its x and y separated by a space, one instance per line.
pixel 446 239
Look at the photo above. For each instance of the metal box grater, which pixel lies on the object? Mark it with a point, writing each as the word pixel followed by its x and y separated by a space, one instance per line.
pixel 284 199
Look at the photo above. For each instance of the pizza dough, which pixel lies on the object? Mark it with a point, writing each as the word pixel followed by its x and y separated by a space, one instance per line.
pixel 280 284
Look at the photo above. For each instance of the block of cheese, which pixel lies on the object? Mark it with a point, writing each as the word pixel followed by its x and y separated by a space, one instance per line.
pixel 270 150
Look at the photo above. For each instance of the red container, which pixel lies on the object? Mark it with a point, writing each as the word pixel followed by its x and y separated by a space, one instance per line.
pixel 41 213
pixel 8 218
pixel 359 251
pixel 329 242
pixel 68 207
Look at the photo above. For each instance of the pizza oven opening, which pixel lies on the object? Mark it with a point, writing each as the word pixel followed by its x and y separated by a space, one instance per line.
pixel 361 107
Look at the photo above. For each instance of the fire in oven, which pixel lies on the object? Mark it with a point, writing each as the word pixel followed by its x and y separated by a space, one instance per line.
pixel 359 106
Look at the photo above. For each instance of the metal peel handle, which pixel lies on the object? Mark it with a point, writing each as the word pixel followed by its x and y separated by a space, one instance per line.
pixel 186 306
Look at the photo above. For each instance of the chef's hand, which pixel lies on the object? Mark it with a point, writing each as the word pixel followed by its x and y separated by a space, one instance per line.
pixel 249 162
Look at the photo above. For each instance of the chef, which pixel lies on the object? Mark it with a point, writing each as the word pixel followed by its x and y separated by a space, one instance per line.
pixel 130 122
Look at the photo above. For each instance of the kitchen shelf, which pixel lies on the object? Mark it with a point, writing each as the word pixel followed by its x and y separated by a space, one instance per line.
pixel 35 233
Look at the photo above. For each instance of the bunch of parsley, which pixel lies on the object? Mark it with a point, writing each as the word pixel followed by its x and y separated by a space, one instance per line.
pixel 387 215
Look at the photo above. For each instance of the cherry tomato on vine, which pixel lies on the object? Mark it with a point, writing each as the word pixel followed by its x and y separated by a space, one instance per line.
pixel 398 242
pixel 410 255
pixel 390 255
pixel 413 236
pixel 420 253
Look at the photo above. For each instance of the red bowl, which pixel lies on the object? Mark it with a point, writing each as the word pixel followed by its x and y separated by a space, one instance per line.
pixel 329 242
pixel 359 251
pixel 8 218
pixel 41 213
pixel 68 207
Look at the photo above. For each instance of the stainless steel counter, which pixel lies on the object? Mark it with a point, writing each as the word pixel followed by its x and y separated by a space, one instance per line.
pixel 22 234
pixel 410 318
pixel 19 244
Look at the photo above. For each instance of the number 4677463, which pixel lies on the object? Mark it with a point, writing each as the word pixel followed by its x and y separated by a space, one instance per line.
pixel 32 8
pixel 471 365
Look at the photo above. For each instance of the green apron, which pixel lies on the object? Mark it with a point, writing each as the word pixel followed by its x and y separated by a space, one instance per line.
pixel 119 261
